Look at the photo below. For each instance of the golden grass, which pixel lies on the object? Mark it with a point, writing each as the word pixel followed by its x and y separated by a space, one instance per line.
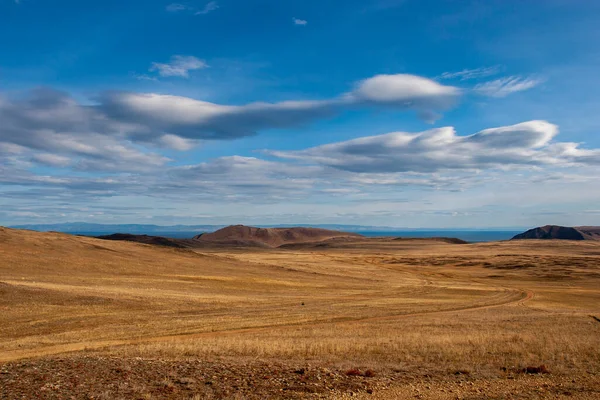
pixel 369 303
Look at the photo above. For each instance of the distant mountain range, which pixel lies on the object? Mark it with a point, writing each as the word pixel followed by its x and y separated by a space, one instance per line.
pixel 96 229
pixel 85 227
pixel 189 231
pixel 243 236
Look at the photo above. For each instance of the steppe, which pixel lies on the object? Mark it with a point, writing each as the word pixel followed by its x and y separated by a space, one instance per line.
pixel 374 318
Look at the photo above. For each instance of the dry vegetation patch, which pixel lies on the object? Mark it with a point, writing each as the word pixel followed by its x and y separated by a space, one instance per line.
pixel 152 322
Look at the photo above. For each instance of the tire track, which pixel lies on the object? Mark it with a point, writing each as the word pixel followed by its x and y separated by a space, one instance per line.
pixel 15 355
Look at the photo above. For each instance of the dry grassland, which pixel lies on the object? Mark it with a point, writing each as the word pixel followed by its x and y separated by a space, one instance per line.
pixel 417 313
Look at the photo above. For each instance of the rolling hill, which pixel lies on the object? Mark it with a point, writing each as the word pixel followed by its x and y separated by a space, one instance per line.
pixel 270 237
pixel 561 233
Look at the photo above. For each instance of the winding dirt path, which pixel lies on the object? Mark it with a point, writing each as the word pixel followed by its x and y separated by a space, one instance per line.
pixel 513 297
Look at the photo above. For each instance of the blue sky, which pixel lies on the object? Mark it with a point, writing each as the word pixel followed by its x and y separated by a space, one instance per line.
pixel 395 112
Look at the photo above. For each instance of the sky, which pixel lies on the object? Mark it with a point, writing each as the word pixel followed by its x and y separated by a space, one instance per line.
pixel 404 113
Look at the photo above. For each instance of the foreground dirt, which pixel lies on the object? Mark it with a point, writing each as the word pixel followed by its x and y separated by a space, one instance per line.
pixel 368 318
pixel 93 377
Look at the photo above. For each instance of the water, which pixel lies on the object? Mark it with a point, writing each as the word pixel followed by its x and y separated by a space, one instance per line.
pixel 469 236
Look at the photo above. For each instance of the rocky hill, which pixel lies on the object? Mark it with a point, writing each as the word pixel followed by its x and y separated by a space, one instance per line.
pixel 561 232
pixel 270 237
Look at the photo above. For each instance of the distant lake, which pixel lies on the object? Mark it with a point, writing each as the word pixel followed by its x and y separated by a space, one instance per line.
pixel 469 236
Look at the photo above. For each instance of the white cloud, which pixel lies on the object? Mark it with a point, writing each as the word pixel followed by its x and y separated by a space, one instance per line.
pixel 117 131
pixel 11 148
pixel 406 91
pixel 386 179
pixel 121 158
pixel 468 74
pixel 242 176
pixel 211 6
pixel 52 160
pixel 49 126
pixel 301 22
pixel 196 119
pixel 176 143
pixel 180 66
pixel 143 77
pixel 523 145
pixel 176 7
pixel 504 86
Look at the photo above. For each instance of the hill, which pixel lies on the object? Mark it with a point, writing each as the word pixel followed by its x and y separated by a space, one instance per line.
pixel 270 237
pixel 92 229
pixel 105 319
pixel 282 238
pixel 146 239
pixel 561 232
pixel 241 236
pixel 592 231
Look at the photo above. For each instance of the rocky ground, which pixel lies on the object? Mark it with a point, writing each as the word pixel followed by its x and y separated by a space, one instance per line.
pixel 95 377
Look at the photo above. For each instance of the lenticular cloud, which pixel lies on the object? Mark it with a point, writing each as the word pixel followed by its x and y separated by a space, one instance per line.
pixel 525 144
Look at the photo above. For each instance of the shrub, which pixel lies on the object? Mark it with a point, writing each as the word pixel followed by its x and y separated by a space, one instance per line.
pixel 369 373
pixel 536 370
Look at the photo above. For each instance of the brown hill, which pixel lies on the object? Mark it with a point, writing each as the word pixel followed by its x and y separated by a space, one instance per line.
pixel 353 242
pixel 270 237
pixel 155 240
pixel 591 231
pixel 561 232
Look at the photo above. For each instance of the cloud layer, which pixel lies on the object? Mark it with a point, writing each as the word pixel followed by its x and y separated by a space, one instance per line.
pixel 504 86
pixel 427 170
pixel 51 128
pixel 157 114
pixel 441 149
pixel 120 131
pixel 62 151
pixel 109 133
